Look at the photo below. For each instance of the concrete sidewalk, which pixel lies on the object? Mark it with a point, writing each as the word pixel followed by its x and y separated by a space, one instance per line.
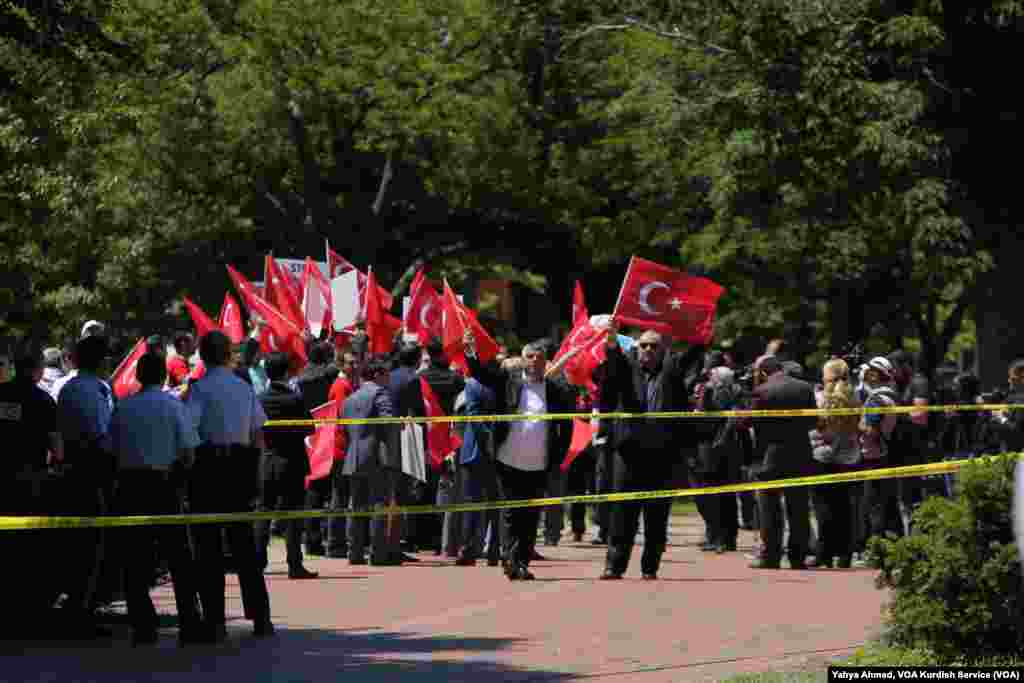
pixel 707 618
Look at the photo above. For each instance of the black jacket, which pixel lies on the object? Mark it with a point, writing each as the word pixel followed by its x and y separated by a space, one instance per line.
pixel 508 387
pixel 281 403
pixel 315 384
pixel 783 443
pixel 447 385
pixel 625 389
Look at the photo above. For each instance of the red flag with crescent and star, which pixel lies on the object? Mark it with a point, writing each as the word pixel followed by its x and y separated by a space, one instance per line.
pixel 123 380
pixel 423 318
pixel 230 319
pixel 579 306
pixel 669 301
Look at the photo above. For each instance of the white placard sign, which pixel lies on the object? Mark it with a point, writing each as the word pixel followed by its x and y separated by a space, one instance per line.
pixel 345 297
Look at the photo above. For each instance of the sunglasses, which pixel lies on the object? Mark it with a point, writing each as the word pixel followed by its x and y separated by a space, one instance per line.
pixel 647 345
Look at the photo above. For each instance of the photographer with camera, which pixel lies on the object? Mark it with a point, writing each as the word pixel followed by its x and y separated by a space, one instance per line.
pixel 1009 425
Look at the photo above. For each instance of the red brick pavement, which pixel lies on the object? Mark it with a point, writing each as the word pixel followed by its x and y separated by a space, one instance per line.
pixel 708 617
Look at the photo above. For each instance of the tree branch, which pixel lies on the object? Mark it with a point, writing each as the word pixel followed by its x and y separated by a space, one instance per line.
pixel 676 34
pixel 385 181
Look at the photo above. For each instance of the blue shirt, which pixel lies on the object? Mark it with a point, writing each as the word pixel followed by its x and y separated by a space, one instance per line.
pixel 83 411
pixel 150 429
pixel 224 409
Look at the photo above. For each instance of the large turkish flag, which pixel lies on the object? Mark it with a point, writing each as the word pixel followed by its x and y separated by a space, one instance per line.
pixel 659 298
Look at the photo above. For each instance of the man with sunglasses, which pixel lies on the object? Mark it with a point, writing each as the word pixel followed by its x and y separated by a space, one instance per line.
pixel 643 452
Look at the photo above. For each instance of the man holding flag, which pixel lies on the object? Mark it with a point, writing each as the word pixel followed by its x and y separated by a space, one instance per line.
pixel 665 302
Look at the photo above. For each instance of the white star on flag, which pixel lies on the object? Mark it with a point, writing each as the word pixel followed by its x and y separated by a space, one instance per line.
pixel 676 304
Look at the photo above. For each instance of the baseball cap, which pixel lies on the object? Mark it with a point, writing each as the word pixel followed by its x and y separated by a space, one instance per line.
pixel 881 364
pixel 92 327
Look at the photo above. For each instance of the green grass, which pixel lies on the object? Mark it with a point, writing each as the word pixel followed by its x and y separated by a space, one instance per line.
pixel 875 654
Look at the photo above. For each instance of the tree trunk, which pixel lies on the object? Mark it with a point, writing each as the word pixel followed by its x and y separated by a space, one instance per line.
pixel 846 315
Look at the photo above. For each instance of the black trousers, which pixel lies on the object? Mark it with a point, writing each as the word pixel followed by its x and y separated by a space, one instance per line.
pixel 282 487
pixel 834 507
pixel 797 517
pixel 580 479
pixel 374 489
pixel 519 532
pixel 224 480
pixel 642 472
pixel 149 492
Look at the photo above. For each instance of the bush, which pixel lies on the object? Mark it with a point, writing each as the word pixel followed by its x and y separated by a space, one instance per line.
pixel 956 580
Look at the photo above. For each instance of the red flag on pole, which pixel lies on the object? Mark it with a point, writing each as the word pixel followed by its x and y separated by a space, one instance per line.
pixel 669 301
pixel 586 349
pixel 278 293
pixel 204 323
pixel 280 333
pixel 441 439
pixel 579 306
pixel 457 318
pixel 582 434
pixel 425 311
pixel 321 445
pixel 123 380
pixel 316 299
pixel 338 265
pixel 381 326
pixel 230 319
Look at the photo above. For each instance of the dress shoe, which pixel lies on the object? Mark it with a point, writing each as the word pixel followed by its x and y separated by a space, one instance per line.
pixel 493 562
pixel 600 540
pixel 407 558
pixel 610 575
pixel 537 557
pixel 799 565
pixel 822 561
pixel 577 537
pixel 353 561
pixel 551 542
pixel 217 634
pixel 336 554
pixel 385 562
pixel 263 629
pixel 195 635
pixel 465 561
pixel 765 564
pixel 315 550
pixel 845 561
pixel 301 573
pixel 708 547
pixel 650 576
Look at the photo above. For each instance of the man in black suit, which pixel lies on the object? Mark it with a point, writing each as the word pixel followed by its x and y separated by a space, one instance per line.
pixel 372 463
pixel 406 400
pixel 643 452
pixel 528 450
pixel 283 466
pixel 784 450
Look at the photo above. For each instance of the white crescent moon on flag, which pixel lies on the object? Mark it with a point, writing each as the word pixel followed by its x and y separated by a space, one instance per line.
pixel 423 316
pixel 645 292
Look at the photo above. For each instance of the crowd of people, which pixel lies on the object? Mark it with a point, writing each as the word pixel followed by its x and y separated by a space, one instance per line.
pixel 192 438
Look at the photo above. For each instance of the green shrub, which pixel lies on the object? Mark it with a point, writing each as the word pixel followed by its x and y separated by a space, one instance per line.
pixel 957 580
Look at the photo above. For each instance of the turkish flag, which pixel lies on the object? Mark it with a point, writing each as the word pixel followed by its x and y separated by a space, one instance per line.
pixel 230 320
pixel 278 292
pixel 280 333
pixel 659 298
pixel 425 311
pixel 198 371
pixel 582 434
pixel 381 326
pixel 586 349
pixel 321 445
pixel 339 265
pixel 579 306
pixel 316 299
pixel 441 439
pixel 204 323
pixel 123 380
pixel 457 318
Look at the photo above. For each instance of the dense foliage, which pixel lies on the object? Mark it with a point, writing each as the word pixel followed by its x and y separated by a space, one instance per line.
pixel 807 153
pixel 957 580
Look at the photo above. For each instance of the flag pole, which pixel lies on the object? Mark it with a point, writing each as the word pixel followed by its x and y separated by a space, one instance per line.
pixel 622 290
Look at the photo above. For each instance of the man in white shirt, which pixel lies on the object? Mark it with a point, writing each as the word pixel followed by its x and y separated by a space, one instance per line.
pixel 526 450
pixel 153 439
pixel 229 419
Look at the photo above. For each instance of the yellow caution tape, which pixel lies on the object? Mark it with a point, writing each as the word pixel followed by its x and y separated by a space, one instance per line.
pixel 25 523
pixel 673 415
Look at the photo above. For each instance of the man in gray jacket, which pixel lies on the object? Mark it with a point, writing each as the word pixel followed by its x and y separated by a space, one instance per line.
pixel 373 462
